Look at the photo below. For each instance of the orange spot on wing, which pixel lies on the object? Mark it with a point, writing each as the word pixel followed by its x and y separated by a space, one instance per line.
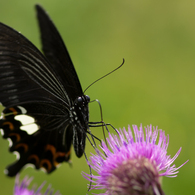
pixel 56 154
pixel 13 110
pixel 51 148
pixel 60 154
pixel 16 135
pixel 48 163
pixel 68 154
pixel 25 146
pixel 11 126
pixel 35 157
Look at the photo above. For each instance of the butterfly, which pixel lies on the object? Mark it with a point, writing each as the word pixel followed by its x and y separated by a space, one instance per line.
pixel 46 90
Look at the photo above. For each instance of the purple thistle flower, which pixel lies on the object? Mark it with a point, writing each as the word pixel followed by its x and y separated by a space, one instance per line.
pixel 133 166
pixel 21 188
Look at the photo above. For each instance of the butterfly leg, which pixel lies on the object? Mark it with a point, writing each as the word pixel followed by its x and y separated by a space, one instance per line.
pixel 101 124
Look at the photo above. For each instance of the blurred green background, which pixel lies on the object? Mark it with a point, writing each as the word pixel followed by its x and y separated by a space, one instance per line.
pixel 155 86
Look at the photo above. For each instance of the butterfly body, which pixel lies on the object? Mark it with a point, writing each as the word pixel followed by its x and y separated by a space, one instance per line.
pixel 45 88
pixel 79 114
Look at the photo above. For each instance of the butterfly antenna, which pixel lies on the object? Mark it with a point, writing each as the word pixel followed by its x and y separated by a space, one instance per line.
pixel 105 75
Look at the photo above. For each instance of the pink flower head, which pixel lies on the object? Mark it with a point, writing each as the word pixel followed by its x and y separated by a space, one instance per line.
pixel 21 188
pixel 132 165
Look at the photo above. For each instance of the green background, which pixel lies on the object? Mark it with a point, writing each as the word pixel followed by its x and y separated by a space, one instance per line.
pixel 155 86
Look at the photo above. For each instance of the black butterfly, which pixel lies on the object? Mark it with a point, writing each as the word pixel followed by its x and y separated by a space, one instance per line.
pixel 45 88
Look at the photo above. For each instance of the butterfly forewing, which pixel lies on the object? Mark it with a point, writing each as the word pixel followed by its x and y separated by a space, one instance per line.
pixel 25 71
pixel 56 52
pixel 46 89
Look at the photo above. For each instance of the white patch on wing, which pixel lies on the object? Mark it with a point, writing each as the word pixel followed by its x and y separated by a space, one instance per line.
pixel 2 115
pixel 23 110
pixel 43 169
pixel 6 172
pixel 10 142
pixel 24 119
pixel 30 129
pixel 29 165
pixel 2 133
pixel 28 122
pixel 58 165
pixel 17 155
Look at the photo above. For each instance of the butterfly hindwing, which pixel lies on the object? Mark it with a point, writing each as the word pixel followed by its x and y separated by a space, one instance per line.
pixel 44 148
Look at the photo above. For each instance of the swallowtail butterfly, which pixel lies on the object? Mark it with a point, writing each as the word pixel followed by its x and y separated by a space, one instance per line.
pixel 46 90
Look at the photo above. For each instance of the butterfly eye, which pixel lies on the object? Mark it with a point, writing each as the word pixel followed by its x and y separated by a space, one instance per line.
pixel 87 98
pixel 80 100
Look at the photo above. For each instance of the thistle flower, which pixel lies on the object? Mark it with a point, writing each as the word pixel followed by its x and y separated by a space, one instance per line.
pixel 22 188
pixel 132 166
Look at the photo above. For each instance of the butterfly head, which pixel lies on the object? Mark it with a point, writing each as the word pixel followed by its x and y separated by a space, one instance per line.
pixel 82 100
